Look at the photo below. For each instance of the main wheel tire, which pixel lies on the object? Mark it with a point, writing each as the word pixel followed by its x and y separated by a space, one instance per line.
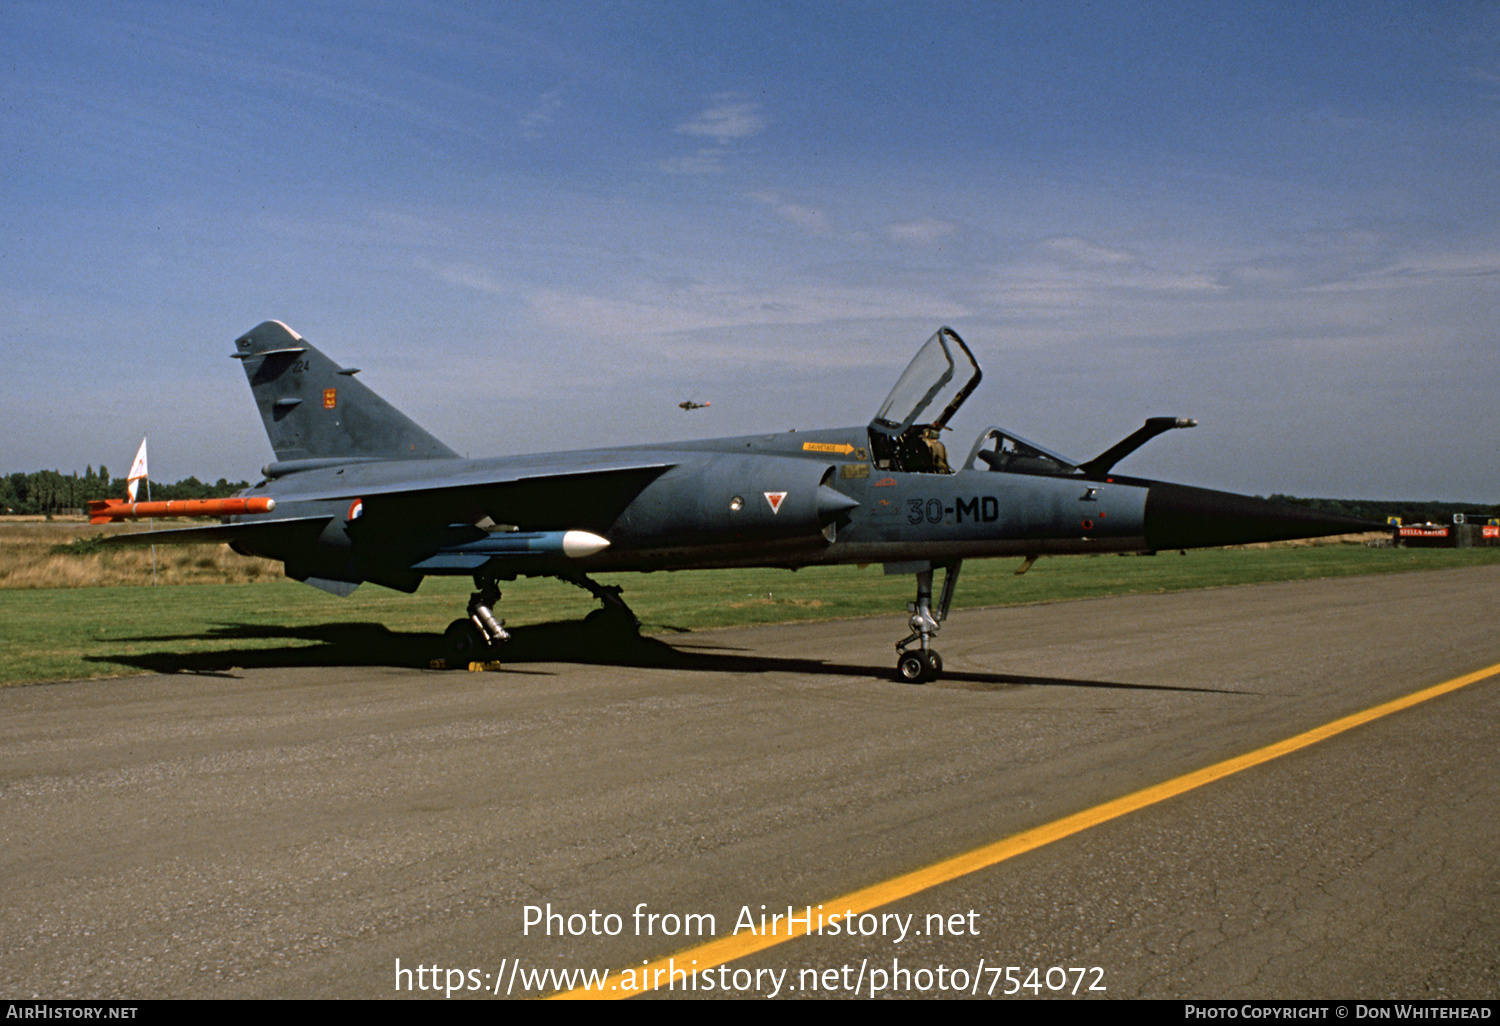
pixel 612 625
pixel 463 644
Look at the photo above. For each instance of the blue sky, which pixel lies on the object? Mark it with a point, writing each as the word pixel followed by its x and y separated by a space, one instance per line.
pixel 540 227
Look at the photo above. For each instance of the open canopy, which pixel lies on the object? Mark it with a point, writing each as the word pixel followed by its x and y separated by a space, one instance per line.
pixel 929 379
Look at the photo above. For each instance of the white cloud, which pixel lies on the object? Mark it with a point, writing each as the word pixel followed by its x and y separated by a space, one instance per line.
pixel 1072 249
pixel 924 231
pixel 655 311
pixel 707 161
pixel 541 114
pixel 1421 271
pixel 476 278
pixel 1486 78
pixel 729 120
pixel 726 120
pixel 810 218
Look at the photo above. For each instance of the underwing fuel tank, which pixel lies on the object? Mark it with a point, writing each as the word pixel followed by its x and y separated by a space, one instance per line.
pixel 108 511
pixel 1184 517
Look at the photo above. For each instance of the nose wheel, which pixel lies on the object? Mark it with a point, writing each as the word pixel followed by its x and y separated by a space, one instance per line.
pixel 917 662
pixel 919 667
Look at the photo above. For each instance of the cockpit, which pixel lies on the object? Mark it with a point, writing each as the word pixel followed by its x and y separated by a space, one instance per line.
pixel 902 440
pixel 899 439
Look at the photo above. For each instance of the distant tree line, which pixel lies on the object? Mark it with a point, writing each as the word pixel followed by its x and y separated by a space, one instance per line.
pixel 1379 510
pixel 49 492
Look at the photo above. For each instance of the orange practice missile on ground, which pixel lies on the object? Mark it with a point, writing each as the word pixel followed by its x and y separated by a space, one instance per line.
pixel 106 511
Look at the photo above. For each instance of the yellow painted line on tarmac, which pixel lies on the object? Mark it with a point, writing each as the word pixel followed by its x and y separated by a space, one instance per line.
pixel 647 976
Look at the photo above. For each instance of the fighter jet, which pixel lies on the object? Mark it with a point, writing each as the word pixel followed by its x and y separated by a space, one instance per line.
pixel 688 404
pixel 359 493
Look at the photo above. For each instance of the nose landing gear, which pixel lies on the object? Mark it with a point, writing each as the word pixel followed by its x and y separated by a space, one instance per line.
pixel 925 664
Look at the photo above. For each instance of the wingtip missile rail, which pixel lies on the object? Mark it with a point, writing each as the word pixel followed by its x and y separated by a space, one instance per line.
pixel 112 511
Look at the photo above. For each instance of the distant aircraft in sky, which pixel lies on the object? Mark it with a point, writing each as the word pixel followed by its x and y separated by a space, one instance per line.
pixel 690 405
pixel 358 492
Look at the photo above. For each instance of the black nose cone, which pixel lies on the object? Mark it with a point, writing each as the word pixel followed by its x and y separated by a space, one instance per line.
pixel 1181 517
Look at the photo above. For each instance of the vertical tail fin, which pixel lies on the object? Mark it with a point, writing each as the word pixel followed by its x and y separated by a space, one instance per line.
pixel 314 409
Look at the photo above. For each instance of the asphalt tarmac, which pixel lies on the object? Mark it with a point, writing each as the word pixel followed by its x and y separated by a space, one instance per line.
pixel 327 831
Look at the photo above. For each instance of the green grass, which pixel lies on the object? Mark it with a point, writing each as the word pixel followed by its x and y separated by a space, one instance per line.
pixel 67 633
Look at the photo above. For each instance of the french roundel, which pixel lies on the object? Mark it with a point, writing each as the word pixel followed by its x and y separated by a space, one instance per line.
pixel 356 509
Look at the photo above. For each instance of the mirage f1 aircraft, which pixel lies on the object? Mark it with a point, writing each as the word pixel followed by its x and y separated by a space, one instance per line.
pixel 358 492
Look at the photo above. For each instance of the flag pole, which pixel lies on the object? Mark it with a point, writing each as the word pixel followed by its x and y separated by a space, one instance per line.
pixel 138 471
pixel 152 527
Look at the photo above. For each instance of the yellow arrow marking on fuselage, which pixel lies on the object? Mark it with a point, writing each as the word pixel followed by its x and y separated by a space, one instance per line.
pixel 841 447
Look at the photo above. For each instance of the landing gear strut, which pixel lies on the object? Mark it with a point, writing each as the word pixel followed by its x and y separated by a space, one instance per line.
pixel 924 664
pixel 467 640
pixel 614 615
pixel 476 637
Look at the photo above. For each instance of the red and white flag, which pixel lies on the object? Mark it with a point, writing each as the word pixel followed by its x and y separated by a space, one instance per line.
pixel 137 471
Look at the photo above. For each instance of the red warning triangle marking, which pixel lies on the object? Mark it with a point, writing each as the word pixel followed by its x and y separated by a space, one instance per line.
pixel 774 498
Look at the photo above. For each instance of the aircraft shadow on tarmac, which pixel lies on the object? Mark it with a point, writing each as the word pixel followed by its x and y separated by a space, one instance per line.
pixel 589 642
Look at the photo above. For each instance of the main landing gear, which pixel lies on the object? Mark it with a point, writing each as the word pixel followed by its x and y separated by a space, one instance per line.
pixel 924 664
pixel 469 640
pixel 614 613
pixel 476 638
